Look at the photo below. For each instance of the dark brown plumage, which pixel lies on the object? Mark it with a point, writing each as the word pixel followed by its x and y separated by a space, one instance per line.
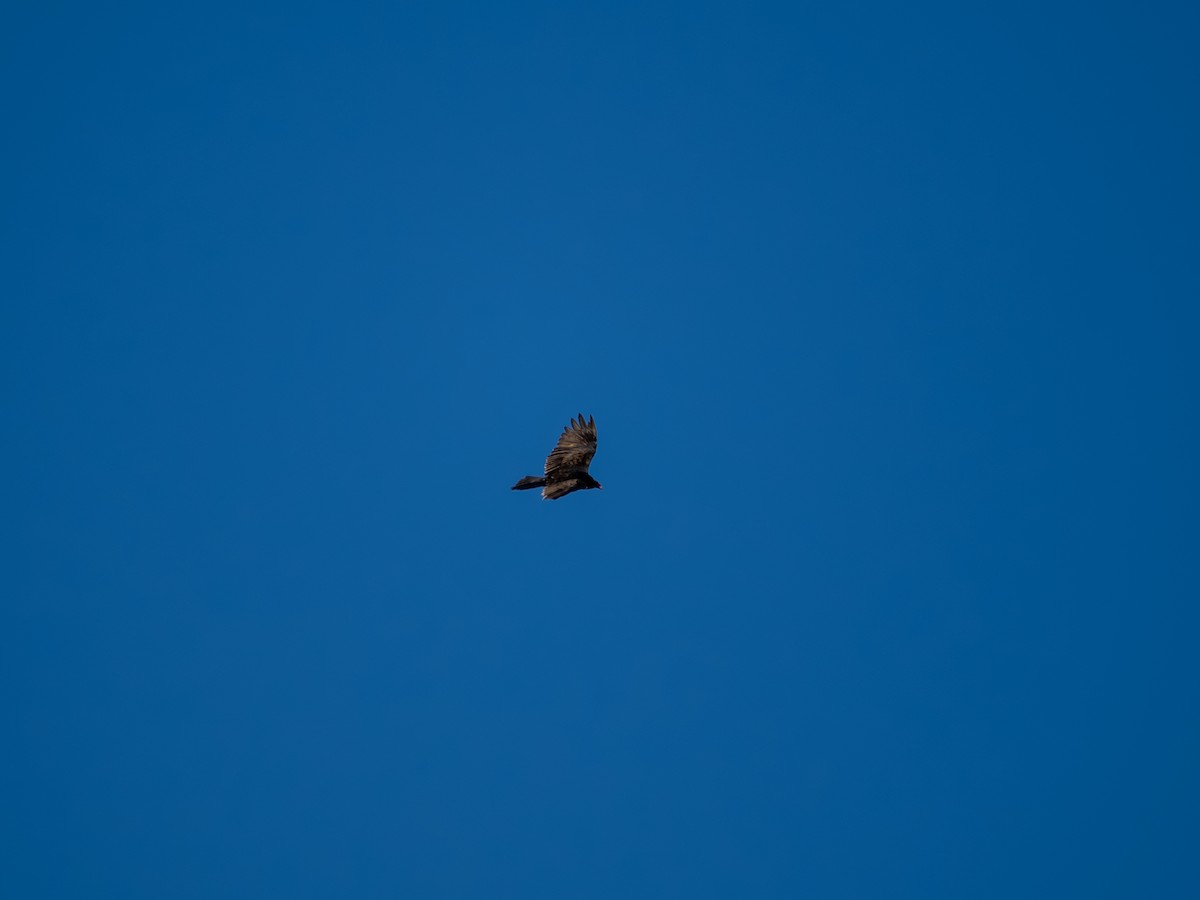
pixel 567 464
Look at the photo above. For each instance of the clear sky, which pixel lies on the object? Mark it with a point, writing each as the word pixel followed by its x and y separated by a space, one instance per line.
pixel 887 315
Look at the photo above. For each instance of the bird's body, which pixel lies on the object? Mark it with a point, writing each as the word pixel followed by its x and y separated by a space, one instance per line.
pixel 567 464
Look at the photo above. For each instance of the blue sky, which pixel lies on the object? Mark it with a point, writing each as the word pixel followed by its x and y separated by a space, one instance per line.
pixel 887 318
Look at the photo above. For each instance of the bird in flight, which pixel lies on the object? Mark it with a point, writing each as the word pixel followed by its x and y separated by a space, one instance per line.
pixel 567 464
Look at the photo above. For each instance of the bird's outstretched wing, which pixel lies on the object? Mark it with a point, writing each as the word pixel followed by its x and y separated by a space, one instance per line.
pixel 555 489
pixel 574 450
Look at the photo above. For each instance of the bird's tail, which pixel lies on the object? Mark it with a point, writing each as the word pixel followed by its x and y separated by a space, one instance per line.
pixel 529 481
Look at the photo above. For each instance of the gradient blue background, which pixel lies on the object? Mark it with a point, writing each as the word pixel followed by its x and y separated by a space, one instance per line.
pixel 886 313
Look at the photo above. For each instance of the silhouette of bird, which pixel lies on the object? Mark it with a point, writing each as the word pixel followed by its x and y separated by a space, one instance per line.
pixel 567 464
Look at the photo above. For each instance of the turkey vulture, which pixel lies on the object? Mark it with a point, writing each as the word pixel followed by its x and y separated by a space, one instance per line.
pixel 567 464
